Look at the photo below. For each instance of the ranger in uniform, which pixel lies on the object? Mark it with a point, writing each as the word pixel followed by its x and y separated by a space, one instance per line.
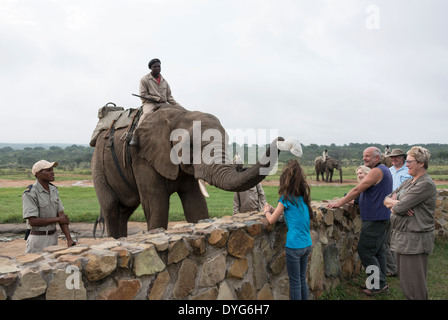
pixel 42 209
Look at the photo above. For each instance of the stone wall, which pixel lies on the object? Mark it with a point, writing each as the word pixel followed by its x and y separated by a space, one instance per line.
pixel 239 257
pixel 441 214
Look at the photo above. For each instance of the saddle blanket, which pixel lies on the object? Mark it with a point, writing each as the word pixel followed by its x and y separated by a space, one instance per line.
pixel 109 115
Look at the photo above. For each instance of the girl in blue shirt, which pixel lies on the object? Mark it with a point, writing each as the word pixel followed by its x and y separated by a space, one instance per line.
pixel 295 204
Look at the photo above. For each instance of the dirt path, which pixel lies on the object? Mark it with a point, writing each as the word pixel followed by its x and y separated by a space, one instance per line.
pixel 9 183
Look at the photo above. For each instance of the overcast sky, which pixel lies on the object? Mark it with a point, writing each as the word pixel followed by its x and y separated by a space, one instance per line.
pixel 322 71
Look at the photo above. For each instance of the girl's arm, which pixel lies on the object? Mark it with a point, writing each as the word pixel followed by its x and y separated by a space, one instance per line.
pixel 272 214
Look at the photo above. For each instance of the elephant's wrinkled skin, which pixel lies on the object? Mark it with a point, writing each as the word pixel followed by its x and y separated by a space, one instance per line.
pixel 154 176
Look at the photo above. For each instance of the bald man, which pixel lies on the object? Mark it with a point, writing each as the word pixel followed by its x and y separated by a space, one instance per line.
pixel 375 216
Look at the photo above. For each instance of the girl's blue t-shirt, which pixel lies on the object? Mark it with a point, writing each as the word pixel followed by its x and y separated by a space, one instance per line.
pixel 297 220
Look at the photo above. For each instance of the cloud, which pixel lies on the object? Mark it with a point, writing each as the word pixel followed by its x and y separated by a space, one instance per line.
pixel 310 69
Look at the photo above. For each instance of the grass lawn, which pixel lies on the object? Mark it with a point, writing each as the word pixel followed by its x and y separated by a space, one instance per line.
pixel 81 203
pixel 437 280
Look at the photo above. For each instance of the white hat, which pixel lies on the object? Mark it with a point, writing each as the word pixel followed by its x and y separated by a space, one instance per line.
pixel 43 164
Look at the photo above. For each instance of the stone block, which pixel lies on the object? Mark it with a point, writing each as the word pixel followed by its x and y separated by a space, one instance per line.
pixel 444 205
pixel 177 251
pixel 254 229
pixel 7 279
pixel 186 279
pixel 160 285
pixel 124 290
pixel 238 269
pixel 357 225
pixel 240 243
pixel 147 261
pixel 161 243
pixel 209 294
pixel 66 286
pixel 72 250
pixel 338 214
pixel 278 263
pixel 31 285
pixel 213 271
pixel 123 257
pixel 218 238
pixel 316 267
pixel 72 259
pixel 100 263
pixel 203 225
pixel 348 268
pixel 7 265
pixel 197 244
pixel 225 293
pixel 331 261
pixel 54 248
pixel 29 258
pixel 246 291
pixel 265 293
pixel 328 218
pixel 259 269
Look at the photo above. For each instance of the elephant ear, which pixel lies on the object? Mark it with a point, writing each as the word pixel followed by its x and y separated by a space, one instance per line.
pixel 155 145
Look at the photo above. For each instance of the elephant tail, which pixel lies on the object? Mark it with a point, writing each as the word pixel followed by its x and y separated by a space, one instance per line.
pixel 100 221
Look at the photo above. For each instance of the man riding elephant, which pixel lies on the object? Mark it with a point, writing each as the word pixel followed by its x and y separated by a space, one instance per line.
pixel 154 90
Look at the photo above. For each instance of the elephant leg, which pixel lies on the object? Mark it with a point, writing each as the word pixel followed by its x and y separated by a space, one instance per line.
pixel 156 205
pixel 193 201
pixel 116 217
pixel 114 213
pixel 154 194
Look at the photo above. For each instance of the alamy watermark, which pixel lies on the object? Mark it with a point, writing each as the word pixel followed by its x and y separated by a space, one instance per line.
pixel 210 146
pixel 73 281
pixel 373 280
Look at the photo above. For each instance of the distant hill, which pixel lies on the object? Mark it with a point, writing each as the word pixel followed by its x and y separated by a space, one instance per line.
pixel 72 156
pixel 21 146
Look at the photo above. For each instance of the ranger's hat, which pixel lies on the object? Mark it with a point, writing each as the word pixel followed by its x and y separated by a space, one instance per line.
pixel 396 153
pixel 43 164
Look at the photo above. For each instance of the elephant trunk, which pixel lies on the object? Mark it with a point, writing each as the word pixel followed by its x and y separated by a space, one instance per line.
pixel 340 173
pixel 226 177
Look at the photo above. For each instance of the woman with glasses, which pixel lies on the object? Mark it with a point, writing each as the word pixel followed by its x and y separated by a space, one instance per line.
pixel 412 206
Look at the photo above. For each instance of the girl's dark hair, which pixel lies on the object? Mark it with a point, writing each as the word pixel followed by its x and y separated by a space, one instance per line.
pixel 293 184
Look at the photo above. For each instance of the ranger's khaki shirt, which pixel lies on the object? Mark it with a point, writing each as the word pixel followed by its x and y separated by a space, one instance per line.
pixel 149 88
pixel 38 202
pixel 250 200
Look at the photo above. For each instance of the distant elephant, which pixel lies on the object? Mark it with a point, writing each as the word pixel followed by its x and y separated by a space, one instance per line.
pixel 164 163
pixel 328 167
pixel 387 161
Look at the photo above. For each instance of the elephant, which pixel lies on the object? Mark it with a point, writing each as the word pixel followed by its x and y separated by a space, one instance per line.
pixel 328 167
pixel 387 161
pixel 166 161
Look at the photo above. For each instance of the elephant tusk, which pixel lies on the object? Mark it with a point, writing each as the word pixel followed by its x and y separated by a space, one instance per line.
pixel 291 144
pixel 203 188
